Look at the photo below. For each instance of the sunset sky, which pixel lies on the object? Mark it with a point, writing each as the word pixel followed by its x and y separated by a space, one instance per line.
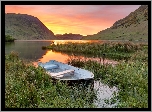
pixel 76 19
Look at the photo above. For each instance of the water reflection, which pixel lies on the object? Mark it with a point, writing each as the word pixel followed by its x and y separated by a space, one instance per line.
pixel 97 59
pixel 73 41
pixel 104 92
pixel 51 55
pixel 63 57
pixel 29 50
pixel 32 50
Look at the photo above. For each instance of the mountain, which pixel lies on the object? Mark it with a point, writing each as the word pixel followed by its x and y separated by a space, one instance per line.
pixel 26 27
pixel 132 27
pixel 69 36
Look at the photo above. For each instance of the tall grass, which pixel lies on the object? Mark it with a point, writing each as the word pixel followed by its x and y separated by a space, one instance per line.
pixel 29 87
pixel 130 77
pixel 113 50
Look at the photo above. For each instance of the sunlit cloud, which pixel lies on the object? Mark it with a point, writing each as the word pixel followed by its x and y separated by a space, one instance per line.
pixel 76 19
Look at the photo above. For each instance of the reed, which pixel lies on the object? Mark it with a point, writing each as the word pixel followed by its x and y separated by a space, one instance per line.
pixel 130 77
pixel 29 87
pixel 113 50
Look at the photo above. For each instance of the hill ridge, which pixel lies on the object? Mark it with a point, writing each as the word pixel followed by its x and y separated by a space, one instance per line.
pixel 26 27
pixel 133 18
pixel 132 27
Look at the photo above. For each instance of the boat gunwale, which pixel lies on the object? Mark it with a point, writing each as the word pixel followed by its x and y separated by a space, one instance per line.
pixel 69 66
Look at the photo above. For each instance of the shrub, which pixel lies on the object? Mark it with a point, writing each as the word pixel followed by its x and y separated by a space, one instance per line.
pixel 29 87
pixel 9 38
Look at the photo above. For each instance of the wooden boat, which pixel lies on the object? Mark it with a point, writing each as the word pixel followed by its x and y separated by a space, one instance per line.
pixel 65 72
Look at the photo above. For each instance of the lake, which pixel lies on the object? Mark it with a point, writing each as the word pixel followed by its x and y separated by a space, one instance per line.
pixel 32 51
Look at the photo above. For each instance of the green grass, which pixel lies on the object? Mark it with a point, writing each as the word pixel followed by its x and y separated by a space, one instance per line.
pixel 26 27
pixel 132 27
pixel 9 38
pixel 130 77
pixel 133 32
pixel 112 50
pixel 29 87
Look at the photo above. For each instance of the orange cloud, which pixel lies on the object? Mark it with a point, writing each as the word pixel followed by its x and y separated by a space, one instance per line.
pixel 77 19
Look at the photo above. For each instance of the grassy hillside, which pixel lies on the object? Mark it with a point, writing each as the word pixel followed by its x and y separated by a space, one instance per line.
pixel 26 27
pixel 132 27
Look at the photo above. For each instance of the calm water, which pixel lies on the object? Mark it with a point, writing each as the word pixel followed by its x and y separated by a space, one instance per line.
pixel 32 50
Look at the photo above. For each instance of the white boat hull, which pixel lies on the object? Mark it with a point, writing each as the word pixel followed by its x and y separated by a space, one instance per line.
pixel 63 71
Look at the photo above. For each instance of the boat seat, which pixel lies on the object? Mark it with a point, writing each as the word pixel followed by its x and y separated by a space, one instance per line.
pixel 50 66
pixel 61 74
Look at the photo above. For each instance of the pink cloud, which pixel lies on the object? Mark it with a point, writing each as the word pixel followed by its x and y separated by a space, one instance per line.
pixel 83 19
